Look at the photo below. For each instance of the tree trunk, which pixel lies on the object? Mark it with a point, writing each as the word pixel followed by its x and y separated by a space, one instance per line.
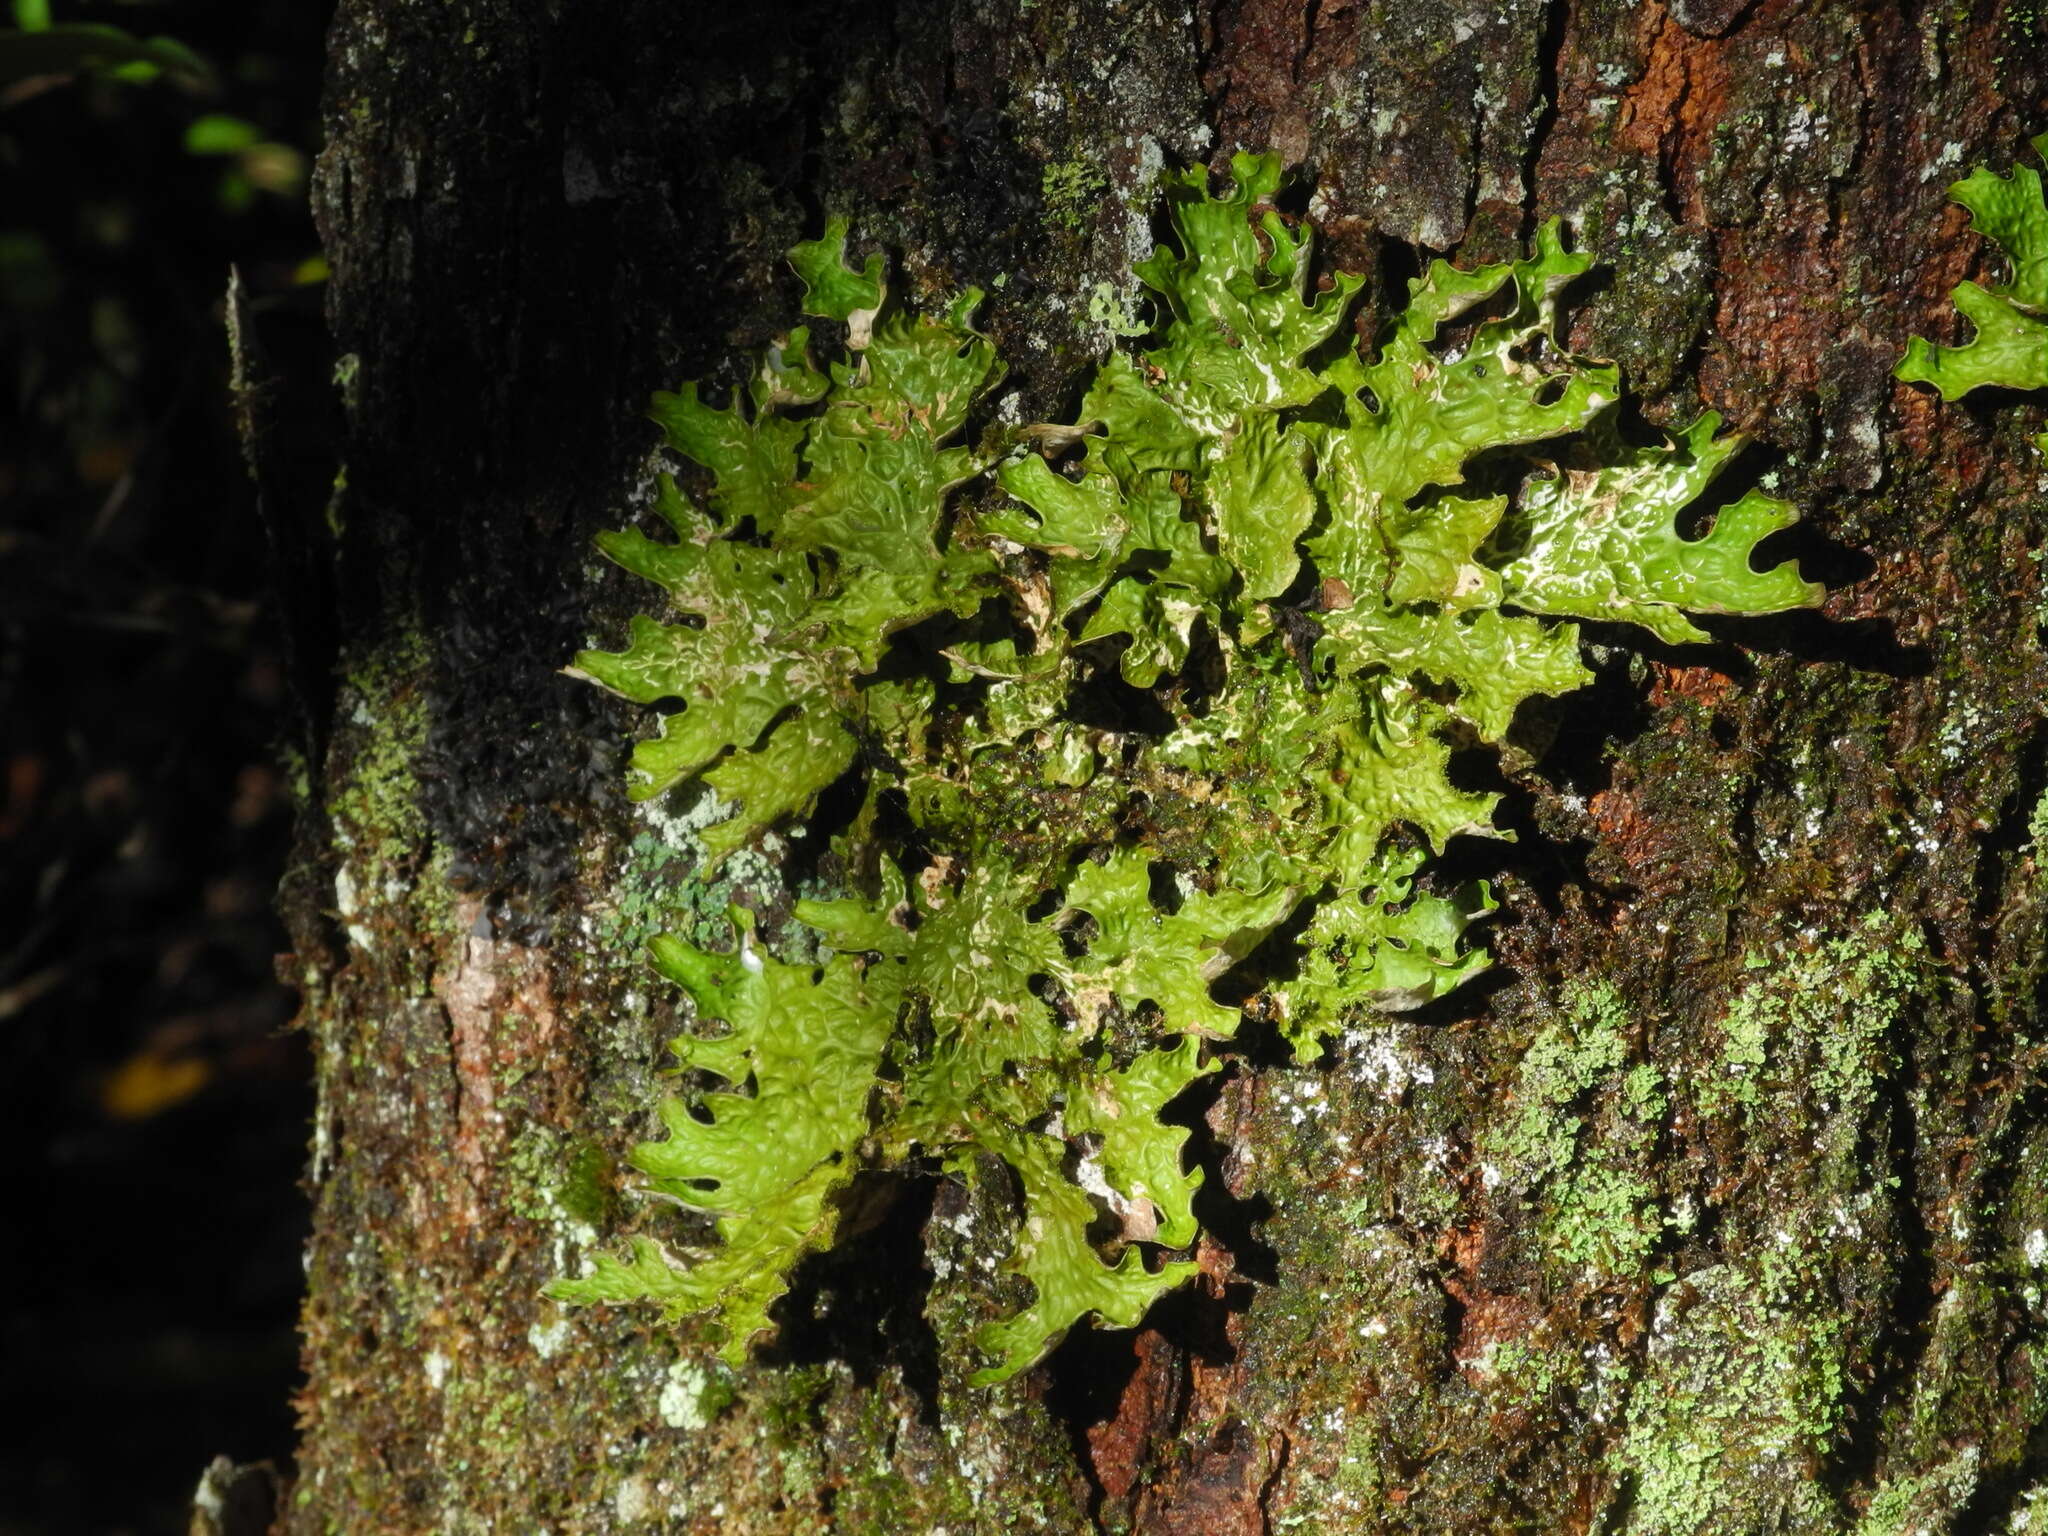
pixel 1780 897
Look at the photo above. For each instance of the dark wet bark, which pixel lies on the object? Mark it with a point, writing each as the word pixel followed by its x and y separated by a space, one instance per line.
pixel 1741 1300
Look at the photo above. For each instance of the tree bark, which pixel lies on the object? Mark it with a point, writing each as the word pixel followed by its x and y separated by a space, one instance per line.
pixel 1787 886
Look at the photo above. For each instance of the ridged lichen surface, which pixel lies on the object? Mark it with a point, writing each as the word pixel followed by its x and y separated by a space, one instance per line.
pixel 1151 718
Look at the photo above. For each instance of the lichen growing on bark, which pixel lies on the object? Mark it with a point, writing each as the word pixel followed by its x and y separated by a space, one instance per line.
pixel 1197 676
pixel 2009 349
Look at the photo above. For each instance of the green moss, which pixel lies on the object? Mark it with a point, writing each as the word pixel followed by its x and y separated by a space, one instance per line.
pixel 1072 191
pixel 376 804
pixel 565 1182
pixel 386 848
pixel 585 1189
pixel 790 1408
pixel 874 1497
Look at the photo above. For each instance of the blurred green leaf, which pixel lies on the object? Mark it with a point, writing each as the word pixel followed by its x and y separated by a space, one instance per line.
pixel 82 48
pixel 236 192
pixel 219 134
pixel 32 15
pixel 275 168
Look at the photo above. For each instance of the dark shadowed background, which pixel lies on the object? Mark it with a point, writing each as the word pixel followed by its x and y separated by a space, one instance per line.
pixel 153 1103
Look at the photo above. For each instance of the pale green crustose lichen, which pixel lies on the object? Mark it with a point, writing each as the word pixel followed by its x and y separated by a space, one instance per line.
pixel 1755 1359
pixel 1308 566
pixel 1584 1122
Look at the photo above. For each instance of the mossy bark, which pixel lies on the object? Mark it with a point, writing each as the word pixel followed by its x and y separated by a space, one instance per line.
pixel 1720 1208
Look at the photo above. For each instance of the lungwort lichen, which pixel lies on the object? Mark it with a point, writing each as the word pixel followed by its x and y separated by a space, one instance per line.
pixel 1163 682
pixel 2010 347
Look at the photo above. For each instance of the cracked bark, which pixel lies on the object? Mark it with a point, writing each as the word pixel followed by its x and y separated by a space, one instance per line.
pixel 536 216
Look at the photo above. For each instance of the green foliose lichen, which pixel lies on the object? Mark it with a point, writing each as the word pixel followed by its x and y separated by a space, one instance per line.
pixel 2010 347
pixel 1296 572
